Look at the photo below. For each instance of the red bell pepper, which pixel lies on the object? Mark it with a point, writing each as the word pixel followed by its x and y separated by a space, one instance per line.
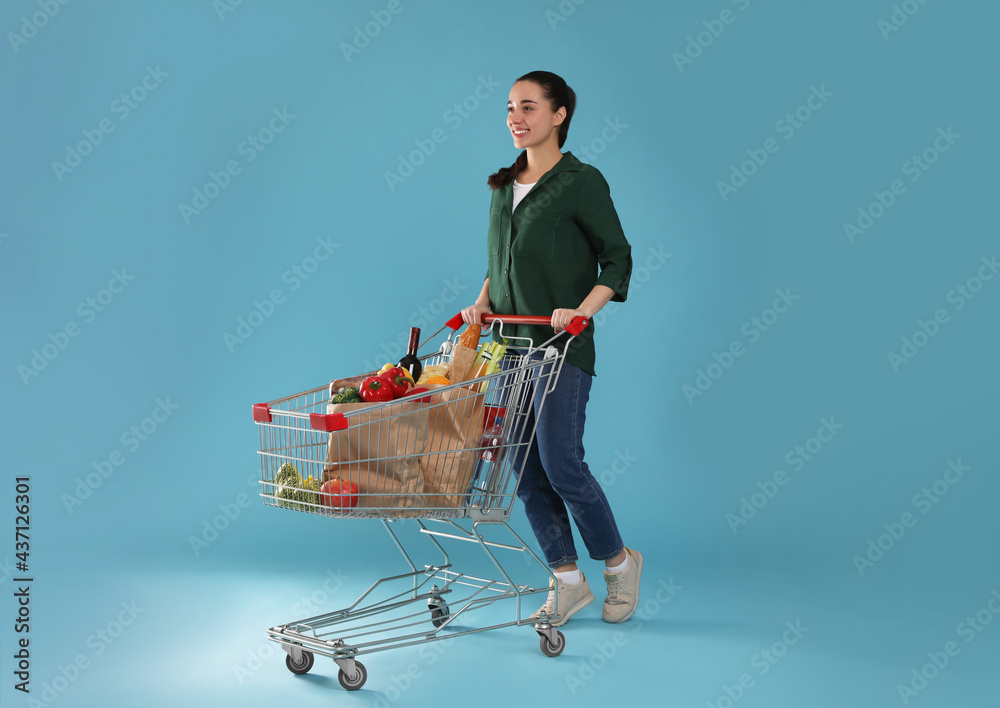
pixel 375 389
pixel 398 380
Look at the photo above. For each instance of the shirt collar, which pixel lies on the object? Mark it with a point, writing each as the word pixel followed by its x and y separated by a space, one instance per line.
pixel 567 163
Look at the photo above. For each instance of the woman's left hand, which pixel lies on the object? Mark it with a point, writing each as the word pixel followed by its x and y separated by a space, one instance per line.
pixel 561 317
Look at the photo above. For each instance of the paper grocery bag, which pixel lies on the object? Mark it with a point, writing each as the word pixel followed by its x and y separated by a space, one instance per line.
pixel 412 456
pixel 454 427
pixel 380 452
pixel 462 360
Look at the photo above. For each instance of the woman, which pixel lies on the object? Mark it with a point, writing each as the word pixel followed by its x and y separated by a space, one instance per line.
pixel 552 224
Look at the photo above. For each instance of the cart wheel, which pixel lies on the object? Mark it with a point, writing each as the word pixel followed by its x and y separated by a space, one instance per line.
pixel 553 649
pixel 355 682
pixel 303 666
pixel 440 614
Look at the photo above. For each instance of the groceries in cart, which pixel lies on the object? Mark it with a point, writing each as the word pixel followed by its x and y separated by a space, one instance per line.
pixel 300 494
pixel 408 440
pixel 388 442
pixel 420 449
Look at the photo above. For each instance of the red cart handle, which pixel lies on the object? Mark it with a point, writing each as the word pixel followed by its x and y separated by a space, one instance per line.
pixel 575 327
pixel 327 422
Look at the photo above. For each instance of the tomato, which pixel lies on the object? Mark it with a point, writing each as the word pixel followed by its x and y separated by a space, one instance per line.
pixel 339 492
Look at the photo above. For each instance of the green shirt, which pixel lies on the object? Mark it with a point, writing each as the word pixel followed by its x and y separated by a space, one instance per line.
pixel 564 238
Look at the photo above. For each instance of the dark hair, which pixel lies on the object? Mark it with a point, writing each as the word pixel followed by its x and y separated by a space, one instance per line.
pixel 559 95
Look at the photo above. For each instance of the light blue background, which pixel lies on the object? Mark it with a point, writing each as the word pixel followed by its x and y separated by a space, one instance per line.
pixel 417 247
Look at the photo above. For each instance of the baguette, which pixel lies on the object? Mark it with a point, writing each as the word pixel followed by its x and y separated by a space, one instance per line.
pixel 470 337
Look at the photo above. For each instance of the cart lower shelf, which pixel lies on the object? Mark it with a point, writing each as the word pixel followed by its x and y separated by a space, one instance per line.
pixel 423 605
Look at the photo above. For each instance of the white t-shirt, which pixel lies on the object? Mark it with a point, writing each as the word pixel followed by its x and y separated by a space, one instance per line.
pixel 520 190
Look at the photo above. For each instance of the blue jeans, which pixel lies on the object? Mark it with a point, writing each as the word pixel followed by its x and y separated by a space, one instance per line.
pixel 555 476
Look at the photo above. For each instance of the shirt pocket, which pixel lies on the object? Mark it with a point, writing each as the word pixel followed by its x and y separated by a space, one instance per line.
pixel 536 238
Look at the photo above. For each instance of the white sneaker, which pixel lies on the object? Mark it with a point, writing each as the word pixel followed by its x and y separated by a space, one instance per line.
pixel 572 599
pixel 623 590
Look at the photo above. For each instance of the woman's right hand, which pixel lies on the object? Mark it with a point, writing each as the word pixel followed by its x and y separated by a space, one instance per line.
pixel 473 314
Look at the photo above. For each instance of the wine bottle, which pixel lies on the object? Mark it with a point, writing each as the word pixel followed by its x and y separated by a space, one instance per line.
pixel 410 362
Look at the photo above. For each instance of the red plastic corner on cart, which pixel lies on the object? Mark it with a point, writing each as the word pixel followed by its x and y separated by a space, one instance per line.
pixel 577 325
pixel 262 412
pixel 328 422
pixel 455 322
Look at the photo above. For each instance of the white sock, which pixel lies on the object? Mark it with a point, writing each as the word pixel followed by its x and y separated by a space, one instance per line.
pixel 569 577
pixel 618 568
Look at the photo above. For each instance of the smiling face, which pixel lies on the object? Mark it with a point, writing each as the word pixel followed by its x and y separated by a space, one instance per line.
pixel 530 117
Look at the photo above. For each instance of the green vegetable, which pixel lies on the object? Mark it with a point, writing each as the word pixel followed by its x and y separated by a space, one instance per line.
pixel 292 488
pixel 348 395
pixel 288 476
pixel 305 493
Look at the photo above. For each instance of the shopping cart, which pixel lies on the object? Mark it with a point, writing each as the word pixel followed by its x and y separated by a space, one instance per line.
pixel 378 445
